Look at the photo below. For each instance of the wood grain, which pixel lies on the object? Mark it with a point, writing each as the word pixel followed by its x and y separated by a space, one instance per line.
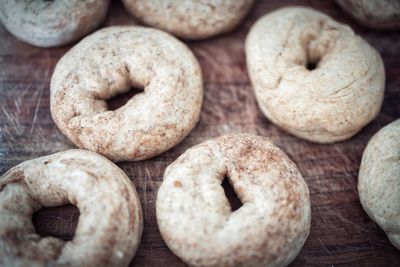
pixel 341 233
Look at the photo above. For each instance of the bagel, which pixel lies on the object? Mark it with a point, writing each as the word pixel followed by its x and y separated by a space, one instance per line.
pixel 190 19
pixel 52 23
pixel 110 223
pixel 374 14
pixel 329 103
pixel 196 220
pixel 110 62
pixel 379 180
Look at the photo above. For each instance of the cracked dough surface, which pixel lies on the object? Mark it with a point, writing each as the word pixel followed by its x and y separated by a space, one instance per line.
pixel 110 223
pixel 52 23
pixel 190 19
pixel 110 62
pixel 195 218
pixel 379 180
pixel 329 103
pixel 375 14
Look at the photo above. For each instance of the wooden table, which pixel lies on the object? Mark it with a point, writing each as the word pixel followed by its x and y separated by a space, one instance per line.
pixel 341 233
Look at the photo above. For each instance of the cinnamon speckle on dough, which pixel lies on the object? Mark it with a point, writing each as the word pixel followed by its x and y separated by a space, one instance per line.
pixel 177 183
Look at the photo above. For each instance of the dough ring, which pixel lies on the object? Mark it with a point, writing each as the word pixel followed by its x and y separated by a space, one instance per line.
pixel 329 103
pixel 195 218
pixel 375 14
pixel 110 62
pixel 52 23
pixel 190 19
pixel 110 223
pixel 379 180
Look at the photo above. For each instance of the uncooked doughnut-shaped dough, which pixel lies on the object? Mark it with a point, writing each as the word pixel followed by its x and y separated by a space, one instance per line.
pixel 110 62
pixel 190 19
pixel 375 14
pixel 195 218
pixel 110 223
pixel 329 103
pixel 52 23
pixel 379 180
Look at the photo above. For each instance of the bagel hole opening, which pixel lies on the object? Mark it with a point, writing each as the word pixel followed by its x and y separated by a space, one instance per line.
pixel 311 65
pixel 121 99
pixel 231 195
pixel 313 58
pixel 59 222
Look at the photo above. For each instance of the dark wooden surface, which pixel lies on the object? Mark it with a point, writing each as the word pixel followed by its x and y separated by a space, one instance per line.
pixel 341 232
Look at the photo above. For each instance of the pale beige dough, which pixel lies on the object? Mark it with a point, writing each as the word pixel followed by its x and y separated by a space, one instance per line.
pixel 52 23
pixel 375 14
pixel 110 223
pixel 195 218
pixel 379 180
pixel 327 104
pixel 111 61
pixel 190 19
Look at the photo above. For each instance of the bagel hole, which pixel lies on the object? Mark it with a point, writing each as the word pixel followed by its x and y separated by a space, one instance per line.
pixel 311 65
pixel 59 222
pixel 121 99
pixel 231 195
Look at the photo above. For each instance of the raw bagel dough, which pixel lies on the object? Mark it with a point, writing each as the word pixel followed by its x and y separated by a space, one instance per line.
pixel 52 23
pixel 110 223
pixel 195 218
pixel 327 104
pixel 110 62
pixel 375 14
pixel 190 19
pixel 379 180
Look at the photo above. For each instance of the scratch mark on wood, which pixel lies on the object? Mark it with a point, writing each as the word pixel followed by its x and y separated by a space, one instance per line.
pixel 48 66
pixel 13 120
pixel 17 105
pixel 212 60
pixel 36 109
pixel 324 246
pixel 345 220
